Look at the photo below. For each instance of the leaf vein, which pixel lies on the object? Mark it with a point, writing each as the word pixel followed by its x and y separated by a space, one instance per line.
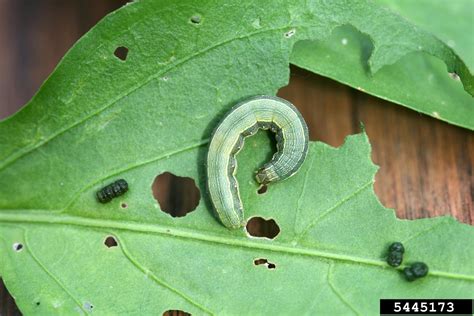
pixel 336 291
pixel 26 150
pixel 49 273
pixel 423 232
pixel 157 280
pixel 303 191
pixel 133 166
pixel 333 208
pixel 169 231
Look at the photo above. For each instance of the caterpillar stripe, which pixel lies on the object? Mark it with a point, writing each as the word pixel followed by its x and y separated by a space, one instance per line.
pixel 245 119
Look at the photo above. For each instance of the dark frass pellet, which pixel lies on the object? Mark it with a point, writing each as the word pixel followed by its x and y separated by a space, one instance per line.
pixel 408 274
pixel 395 258
pixel 395 254
pixel 419 269
pixel 396 246
pixel 107 193
pixel 415 271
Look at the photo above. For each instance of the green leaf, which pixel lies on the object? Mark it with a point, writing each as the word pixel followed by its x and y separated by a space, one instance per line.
pixel 99 118
pixel 448 20
pixel 329 255
pixel 418 81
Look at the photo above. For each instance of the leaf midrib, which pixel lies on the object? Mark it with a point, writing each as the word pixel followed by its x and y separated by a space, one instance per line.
pixel 52 219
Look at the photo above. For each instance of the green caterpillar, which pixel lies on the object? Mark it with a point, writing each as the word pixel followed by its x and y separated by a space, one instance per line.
pixel 245 119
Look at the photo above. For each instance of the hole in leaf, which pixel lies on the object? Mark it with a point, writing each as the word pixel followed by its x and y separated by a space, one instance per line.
pixel 454 76
pixel 88 306
pixel 258 262
pixel 263 189
pixel 176 312
pixel 290 33
pixel 323 113
pixel 121 53
pixel 260 227
pixel 110 242
pixel 38 303
pixel 124 205
pixel 195 19
pixel 177 196
pixel 17 246
pixel 265 262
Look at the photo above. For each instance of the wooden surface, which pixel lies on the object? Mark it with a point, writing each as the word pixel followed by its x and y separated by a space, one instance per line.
pixel 425 165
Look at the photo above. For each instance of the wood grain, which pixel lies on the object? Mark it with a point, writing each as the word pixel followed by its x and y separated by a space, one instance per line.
pixel 34 35
pixel 426 166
